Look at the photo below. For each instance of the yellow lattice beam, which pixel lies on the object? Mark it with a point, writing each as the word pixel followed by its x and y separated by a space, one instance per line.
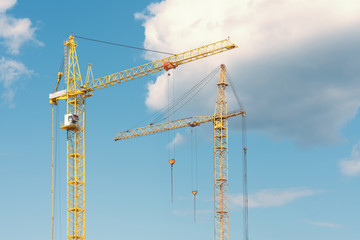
pixel 161 127
pixel 161 64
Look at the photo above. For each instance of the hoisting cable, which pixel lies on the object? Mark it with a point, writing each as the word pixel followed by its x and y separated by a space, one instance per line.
pixel 191 159
pixel 55 172
pixel 55 158
pixel 61 68
pixel 198 87
pixel 171 143
pixel 194 193
pixel 192 166
pixel 171 162
pixel 194 91
pixel 245 193
pixel 55 189
pixel 161 114
pixel 60 73
pixel 168 111
pixel 194 170
pixel 196 158
pixel 58 168
pixel 52 174
pixel 234 91
pixel 123 45
pixel 173 114
pixel 244 162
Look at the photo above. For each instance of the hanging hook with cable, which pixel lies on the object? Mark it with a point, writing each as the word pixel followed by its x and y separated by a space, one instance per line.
pixel 171 162
pixel 194 193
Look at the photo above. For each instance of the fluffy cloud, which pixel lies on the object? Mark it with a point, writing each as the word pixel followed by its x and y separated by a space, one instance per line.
pixel 272 197
pixel 351 166
pixel 296 66
pixel 10 72
pixel 14 32
pixel 6 4
pixel 158 94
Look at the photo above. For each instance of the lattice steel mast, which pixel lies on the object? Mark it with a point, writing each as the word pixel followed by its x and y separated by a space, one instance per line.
pixel 75 149
pixel 75 105
pixel 221 180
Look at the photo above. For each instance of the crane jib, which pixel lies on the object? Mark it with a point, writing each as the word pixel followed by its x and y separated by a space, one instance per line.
pixel 161 64
pixel 162 127
pixel 152 67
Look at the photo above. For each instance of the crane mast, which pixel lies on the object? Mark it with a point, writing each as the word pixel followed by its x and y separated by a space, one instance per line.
pixel 220 124
pixel 74 123
pixel 221 181
pixel 75 106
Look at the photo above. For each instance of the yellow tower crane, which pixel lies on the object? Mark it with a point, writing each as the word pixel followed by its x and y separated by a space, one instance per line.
pixel 74 123
pixel 220 123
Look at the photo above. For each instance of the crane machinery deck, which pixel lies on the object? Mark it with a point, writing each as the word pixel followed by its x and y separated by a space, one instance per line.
pixel 75 94
pixel 220 125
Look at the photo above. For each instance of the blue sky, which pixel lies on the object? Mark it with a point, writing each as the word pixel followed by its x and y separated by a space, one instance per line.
pixel 296 71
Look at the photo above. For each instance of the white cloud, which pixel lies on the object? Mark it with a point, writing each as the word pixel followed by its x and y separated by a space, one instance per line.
pixel 6 4
pixel 178 139
pixel 157 95
pixel 326 224
pixel 290 22
pixel 15 31
pixel 295 67
pixel 351 166
pixel 10 72
pixel 273 197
